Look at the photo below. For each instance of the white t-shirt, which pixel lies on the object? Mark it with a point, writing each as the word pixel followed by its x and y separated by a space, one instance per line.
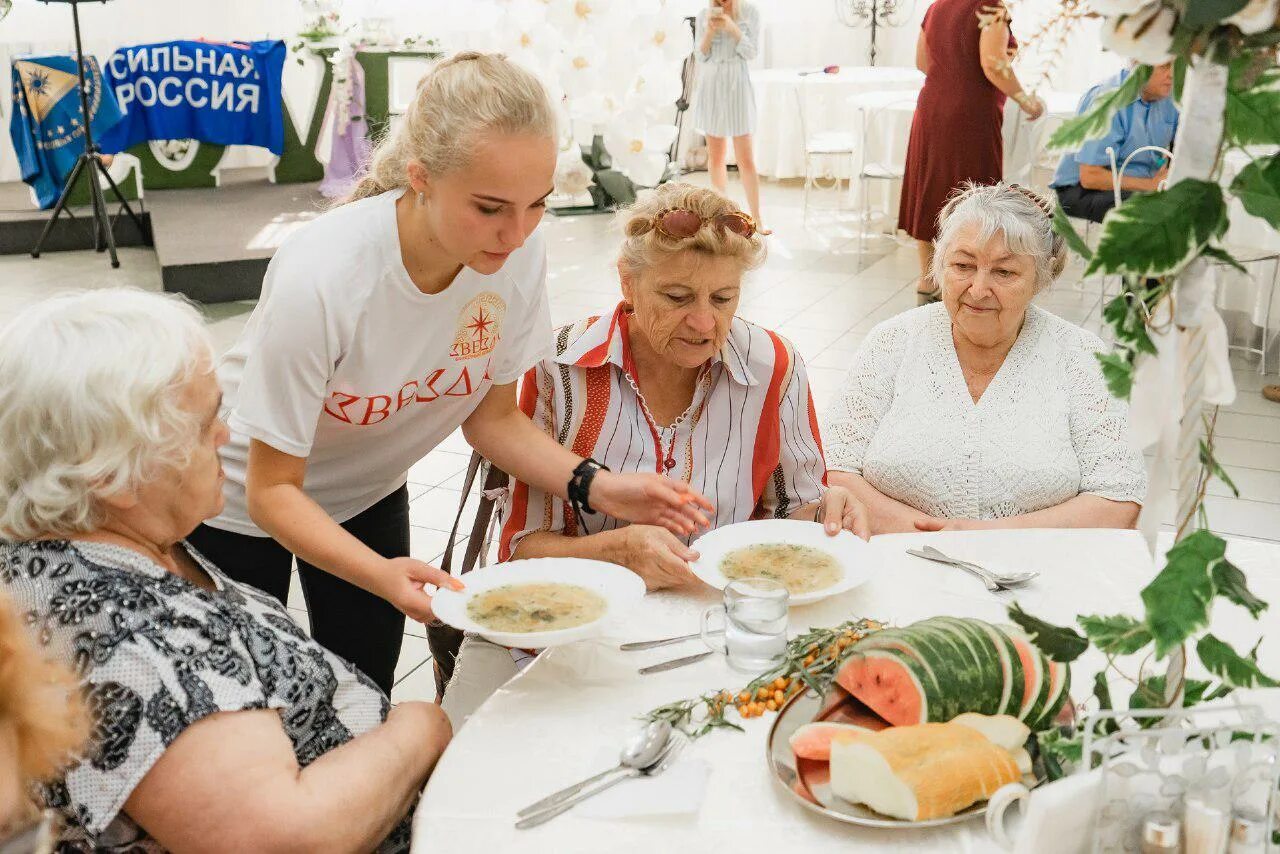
pixel 345 362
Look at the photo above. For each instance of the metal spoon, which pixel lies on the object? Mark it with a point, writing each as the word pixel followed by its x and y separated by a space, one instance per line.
pixel 641 751
pixel 660 764
pixel 1011 579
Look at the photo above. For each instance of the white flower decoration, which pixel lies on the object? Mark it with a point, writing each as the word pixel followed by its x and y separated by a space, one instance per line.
pixel 573 176
pixel 1256 17
pixel 1146 35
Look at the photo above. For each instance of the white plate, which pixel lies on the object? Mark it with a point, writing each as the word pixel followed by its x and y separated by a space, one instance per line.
pixel 851 552
pixel 620 588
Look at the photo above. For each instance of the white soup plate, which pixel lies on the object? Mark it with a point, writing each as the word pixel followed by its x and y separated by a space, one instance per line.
pixel 620 588
pixel 852 553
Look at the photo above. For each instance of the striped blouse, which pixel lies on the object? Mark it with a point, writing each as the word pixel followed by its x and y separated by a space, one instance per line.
pixel 749 441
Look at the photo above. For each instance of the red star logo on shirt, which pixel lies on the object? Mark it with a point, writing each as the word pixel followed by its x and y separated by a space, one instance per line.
pixel 480 323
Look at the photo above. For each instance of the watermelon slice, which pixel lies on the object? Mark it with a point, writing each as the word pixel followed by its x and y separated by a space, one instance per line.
pixel 1059 690
pixel 953 662
pixel 813 740
pixel 1033 669
pixel 1011 670
pixel 898 640
pixel 889 683
pixel 987 701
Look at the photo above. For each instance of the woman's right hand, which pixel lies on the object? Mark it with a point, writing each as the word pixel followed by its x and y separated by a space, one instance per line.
pixel 1033 106
pixel 403 586
pixel 647 498
pixel 657 556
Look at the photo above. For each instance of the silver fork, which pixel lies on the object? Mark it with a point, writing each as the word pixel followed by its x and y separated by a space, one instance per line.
pixel 993 581
pixel 663 762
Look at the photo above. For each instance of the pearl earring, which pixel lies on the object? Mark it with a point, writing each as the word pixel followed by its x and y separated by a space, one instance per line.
pixel 422 199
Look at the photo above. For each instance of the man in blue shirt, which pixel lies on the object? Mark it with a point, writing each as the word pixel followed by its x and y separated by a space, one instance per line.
pixel 1083 179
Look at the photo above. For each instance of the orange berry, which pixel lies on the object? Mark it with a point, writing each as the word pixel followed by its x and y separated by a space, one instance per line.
pixel 778 697
pixel 762 694
pixel 744 697
pixel 779 683
pixel 742 710
pixel 771 706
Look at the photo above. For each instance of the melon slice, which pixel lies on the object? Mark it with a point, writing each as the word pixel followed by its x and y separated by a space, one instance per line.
pixel 813 740
pixel 1002 730
pixel 889 683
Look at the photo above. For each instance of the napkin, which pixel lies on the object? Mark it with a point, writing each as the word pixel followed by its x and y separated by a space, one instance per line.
pixel 678 790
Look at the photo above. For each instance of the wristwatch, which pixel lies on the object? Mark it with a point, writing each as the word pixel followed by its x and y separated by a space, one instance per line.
pixel 580 485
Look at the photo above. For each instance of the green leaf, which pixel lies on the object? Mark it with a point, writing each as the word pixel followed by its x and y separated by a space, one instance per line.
pixel 1117 370
pixel 1177 600
pixel 1062 225
pixel 1229 666
pixel 1059 643
pixel 1258 189
pixel 1209 461
pixel 1230 584
pixel 1202 13
pixel 1253 111
pixel 1097 120
pixel 1150 693
pixel 1118 634
pixel 1222 256
pixel 1058 749
pixel 1153 234
pixel 1179 78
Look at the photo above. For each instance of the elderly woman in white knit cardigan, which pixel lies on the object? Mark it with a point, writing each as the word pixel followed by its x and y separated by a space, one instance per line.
pixel 985 411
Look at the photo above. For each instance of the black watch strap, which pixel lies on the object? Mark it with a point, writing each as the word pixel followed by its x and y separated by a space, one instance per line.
pixel 580 485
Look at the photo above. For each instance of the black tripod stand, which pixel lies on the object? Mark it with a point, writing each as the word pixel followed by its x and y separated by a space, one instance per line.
pixel 90 164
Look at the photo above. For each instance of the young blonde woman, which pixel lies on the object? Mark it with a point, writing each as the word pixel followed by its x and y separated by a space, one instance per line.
pixel 727 37
pixel 384 326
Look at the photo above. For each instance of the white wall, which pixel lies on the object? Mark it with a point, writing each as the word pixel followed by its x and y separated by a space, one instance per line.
pixel 799 33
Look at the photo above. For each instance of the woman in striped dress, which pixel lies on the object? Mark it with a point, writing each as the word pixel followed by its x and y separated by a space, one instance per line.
pixel 724 107
pixel 670 382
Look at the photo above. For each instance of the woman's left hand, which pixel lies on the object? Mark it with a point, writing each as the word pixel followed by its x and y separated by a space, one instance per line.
pixel 840 510
pixel 650 499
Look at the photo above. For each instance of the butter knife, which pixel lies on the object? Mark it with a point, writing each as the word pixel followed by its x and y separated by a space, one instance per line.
pixel 674 663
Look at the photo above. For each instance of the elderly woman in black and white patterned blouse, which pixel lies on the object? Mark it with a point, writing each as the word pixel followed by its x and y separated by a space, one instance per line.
pixel 218 725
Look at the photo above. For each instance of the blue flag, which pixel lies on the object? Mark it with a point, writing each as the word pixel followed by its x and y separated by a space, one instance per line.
pixel 227 94
pixel 45 124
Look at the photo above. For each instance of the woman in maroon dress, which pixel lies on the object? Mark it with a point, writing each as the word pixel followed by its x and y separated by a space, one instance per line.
pixel 964 50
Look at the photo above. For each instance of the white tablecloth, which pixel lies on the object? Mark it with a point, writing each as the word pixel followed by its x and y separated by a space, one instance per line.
pixel 779 144
pixel 546 728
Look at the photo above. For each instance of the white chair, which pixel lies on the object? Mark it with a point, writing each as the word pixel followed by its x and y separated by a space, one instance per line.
pixel 830 147
pixel 876 109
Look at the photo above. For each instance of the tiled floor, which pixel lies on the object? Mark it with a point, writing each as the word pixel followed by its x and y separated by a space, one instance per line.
pixel 816 288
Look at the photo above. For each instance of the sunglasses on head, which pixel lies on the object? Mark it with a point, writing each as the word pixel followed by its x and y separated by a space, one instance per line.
pixel 680 224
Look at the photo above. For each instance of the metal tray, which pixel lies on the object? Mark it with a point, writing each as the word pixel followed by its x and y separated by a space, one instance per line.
pixel 808 781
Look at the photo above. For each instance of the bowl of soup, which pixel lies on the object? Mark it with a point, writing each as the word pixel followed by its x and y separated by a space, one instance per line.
pixel 797 554
pixel 540 603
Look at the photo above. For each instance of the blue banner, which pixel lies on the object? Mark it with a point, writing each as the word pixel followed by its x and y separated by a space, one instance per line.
pixel 46 125
pixel 227 94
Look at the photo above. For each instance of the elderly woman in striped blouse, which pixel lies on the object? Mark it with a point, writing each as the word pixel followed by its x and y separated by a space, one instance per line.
pixel 673 382
pixel 670 382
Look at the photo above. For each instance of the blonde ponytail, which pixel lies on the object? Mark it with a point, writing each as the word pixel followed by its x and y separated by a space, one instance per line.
pixel 468 94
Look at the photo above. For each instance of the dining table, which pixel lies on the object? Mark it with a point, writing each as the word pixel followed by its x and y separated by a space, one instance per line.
pixel 551 724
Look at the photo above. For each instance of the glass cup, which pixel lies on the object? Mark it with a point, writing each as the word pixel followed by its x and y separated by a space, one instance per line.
pixel 755 624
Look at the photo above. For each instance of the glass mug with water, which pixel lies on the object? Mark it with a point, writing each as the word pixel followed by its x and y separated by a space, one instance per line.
pixel 755 624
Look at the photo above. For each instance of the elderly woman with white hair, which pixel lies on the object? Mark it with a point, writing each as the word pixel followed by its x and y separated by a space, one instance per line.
pixel 985 411
pixel 217 724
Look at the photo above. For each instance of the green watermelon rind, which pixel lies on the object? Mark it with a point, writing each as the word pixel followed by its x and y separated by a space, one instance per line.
pixel 988 701
pixel 959 674
pixel 1033 680
pixel 1011 667
pixel 910 666
pixel 1056 700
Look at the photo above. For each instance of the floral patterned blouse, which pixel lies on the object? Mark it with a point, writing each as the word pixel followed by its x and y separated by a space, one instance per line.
pixel 156 654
